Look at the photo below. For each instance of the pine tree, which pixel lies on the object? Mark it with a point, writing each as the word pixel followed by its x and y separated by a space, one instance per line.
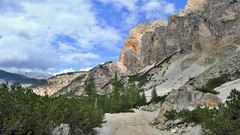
pixel 154 95
pixel 115 98
pixel 90 88
pixel 133 95
pixel 4 87
pixel 143 99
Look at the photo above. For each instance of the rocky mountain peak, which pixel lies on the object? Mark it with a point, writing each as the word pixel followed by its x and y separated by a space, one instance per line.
pixel 133 44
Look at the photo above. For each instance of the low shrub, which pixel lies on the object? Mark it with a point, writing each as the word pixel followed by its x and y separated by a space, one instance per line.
pixel 25 113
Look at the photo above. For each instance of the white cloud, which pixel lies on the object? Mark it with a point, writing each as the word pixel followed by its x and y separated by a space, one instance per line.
pixel 21 52
pixel 149 9
pixel 120 4
pixel 66 70
pixel 86 69
pixel 157 9
pixel 29 28
pixel 80 58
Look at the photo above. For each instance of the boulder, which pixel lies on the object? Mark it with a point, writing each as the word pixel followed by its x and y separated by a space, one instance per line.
pixel 187 99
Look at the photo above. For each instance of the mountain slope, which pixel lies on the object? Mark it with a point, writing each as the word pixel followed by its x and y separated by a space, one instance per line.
pixel 11 77
pixel 35 75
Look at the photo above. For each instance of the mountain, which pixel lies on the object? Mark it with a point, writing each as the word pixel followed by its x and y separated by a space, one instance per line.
pixel 56 83
pixel 166 55
pixel 11 77
pixel 35 75
pixel 189 59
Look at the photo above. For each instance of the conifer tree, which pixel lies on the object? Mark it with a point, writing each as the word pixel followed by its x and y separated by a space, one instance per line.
pixel 133 95
pixel 90 88
pixel 154 95
pixel 115 98
pixel 143 99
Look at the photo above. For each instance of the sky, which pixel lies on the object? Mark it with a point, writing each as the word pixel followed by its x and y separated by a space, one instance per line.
pixel 57 36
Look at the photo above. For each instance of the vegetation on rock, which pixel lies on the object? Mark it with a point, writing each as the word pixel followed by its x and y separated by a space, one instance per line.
pixel 213 83
pixel 224 120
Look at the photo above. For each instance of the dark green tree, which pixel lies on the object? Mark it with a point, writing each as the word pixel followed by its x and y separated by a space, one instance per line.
pixel 143 99
pixel 16 86
pixel 154 95
pixel 90 88
pixel 4 87
pixel 133 95
pixel 115 97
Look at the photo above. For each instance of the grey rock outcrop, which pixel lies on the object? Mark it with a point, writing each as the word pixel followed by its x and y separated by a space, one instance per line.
pixel 63 129
pixel 186 98
pixel 229 67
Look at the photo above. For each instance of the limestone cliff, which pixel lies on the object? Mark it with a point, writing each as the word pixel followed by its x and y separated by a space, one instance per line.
pixel 203 26
pixel 132 55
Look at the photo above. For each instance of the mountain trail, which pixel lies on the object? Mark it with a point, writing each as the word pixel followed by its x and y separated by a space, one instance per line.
pixel 130 124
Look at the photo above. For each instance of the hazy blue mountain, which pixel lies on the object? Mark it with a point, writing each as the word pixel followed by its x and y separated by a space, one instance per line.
pixel 35 75
pixel 12 77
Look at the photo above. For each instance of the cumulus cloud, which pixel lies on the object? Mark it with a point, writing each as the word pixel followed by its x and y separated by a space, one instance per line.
pixel 136 9
pixel 79 57
pixel 66 70
pixel 29 29
pixel 155 9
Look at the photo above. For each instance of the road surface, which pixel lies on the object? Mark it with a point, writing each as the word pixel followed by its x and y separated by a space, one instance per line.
pixel 130 124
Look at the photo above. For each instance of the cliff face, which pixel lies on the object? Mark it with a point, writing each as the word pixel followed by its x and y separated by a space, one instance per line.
pixel 132 56
pixel 203 26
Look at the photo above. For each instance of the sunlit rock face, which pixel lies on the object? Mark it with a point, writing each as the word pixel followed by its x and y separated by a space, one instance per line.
pixel 195 5
pixel 132 56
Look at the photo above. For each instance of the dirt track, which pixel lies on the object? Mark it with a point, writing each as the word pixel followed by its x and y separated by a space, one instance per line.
pixel 130 124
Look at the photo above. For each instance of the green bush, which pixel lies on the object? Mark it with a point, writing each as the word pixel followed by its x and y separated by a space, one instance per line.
pixel 25 113
pixel 171 115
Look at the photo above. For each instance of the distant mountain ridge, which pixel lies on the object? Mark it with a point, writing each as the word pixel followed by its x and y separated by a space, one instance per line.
pixel 35 75
pixel 12 77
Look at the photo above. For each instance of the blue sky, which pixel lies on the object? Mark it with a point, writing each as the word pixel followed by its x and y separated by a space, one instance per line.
pixel 58 36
